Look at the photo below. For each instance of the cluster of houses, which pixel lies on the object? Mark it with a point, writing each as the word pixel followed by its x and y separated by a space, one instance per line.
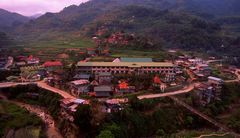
pixel 27 60
pixel 97 85
pixel 69 107
pixel 95 78
pixel 197 66
pixel 209 91
pixel 38 72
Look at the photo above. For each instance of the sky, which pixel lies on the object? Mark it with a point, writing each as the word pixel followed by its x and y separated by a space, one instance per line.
pixel 32 7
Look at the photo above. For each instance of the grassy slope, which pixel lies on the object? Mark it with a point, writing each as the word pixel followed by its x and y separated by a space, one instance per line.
pixel 16 118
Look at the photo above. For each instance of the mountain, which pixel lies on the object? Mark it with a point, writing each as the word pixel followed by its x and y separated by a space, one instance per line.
pixel 35 16
pixel 4 40
pixel 9 19
pixel 188 24
pixel 74 17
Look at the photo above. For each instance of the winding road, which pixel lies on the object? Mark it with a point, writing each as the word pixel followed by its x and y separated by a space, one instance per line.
pixel 64 94
pixel 237 79
pixel 40 84
pixel 186 89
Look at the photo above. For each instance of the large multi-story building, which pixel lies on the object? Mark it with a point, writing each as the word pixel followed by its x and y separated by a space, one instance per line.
pixel 126 67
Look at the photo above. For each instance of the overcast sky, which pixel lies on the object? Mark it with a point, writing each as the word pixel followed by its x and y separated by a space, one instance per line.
pixel 31 7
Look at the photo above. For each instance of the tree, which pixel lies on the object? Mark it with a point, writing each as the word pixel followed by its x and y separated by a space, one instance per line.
pixel 105 134
pixel 160 132
pixel 82 117
pixel 115 130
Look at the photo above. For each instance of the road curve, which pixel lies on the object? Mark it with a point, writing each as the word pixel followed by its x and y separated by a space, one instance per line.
pixel 182 91
pixel 64 94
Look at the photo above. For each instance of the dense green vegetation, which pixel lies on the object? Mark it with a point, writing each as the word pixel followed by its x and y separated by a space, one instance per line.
pixel 225 110
pixel 162 121
pixel 44 98
pixel 13 117
pixel 146 118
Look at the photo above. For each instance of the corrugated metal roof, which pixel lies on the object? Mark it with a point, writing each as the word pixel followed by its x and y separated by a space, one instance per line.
pixel 125 64
pixel 124 59
pixel 215 78
pixel 102 88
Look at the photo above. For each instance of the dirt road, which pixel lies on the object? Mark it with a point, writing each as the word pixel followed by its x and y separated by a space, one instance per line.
pixel 52 130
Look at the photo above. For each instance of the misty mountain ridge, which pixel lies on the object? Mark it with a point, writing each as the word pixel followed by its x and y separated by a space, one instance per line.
pixel 197 24
pixel 9 19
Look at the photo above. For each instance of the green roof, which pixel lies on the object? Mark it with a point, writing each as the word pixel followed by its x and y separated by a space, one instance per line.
pixel 125 64
pixel 124 59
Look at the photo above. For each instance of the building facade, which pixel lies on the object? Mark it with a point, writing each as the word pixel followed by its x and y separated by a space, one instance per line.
pixel 126 67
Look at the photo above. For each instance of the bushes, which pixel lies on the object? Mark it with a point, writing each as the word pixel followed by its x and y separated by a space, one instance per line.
pixel 105 134
pixel 83 117
pixel 14 117
pixel 45 98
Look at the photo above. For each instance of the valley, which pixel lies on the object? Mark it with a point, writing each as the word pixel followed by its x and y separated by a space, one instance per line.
pixel 121 68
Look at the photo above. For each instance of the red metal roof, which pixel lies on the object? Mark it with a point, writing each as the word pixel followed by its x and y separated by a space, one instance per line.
pixel 157 80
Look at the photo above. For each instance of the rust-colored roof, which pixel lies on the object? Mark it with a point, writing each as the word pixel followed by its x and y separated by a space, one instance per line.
pixel 157 80
pixel 52 63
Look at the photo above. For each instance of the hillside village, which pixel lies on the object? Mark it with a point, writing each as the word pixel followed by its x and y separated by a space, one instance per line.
pixel 123 75
pixel 120 68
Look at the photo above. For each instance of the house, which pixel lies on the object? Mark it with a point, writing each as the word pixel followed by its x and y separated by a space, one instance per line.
pixel 205 93
pixel 69 107
pixel 209 91
pixel 216 82
pixel 204 69
pixel 78 87
pixel 52 65
pixel 123 88
pixel 114 105
pixel 70 104
pixel 156 81
pixel 82 76
pixel 21 63
pixel 104 78
pixel 195 61
pixel 103 91
pixel 32 73
pixel 32 60
pixel 117 60
pixel 56 78
pixel 91 51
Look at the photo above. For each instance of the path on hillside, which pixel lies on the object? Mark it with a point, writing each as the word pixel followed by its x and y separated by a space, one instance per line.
pixel 52 130
pixel 210 120
pixel 186 89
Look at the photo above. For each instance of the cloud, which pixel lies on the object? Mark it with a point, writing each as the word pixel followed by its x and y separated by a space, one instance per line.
pixel 31 7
